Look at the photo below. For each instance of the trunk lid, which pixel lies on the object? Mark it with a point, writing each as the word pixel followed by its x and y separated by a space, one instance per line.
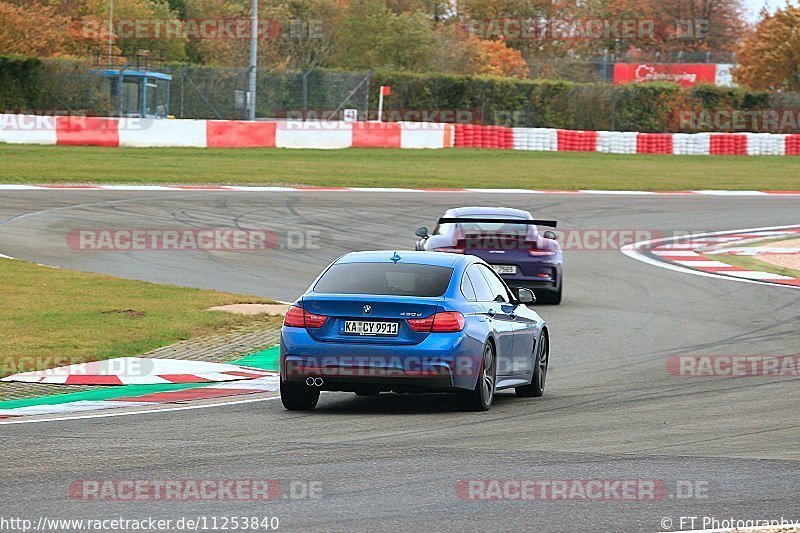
pixel 342 308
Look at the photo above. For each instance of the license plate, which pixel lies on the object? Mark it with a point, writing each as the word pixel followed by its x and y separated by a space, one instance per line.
pixel 362 327
pixel 505 269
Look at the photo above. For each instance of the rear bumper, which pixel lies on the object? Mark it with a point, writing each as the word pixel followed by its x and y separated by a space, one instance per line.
pixel 535 284
pixel 532 273
pixel 442 362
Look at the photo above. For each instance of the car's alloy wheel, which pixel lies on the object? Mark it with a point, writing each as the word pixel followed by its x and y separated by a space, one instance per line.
pixel 298 397
pixel 541 362
pixel 482 396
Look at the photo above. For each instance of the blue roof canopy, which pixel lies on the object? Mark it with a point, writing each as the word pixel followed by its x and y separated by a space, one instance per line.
pixel 134 74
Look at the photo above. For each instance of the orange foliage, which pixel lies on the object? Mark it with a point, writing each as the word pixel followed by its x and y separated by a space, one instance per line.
pixel 769 57
pixel 497 59
pixel 33 30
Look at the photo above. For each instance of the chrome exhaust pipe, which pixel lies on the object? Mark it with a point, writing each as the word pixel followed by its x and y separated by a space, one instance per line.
pixel 314 382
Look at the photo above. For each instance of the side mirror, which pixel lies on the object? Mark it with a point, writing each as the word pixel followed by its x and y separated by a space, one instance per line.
pixel 422 232
pixel 549 235
pixel 526 296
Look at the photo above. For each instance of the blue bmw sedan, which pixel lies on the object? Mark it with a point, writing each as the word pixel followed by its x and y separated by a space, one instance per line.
pixel 412 322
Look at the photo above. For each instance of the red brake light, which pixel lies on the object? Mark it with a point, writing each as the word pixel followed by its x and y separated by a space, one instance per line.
pixel 314 321
pixel 294 317
pixel 448 321
pixel 421 324
pixel 535 253
pixel 450 250
pixel 445 322
pixel 298 317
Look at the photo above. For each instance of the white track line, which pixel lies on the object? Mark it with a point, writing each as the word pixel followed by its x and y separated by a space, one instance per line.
pixel 143 412
pixel 265 188
pixel 634 251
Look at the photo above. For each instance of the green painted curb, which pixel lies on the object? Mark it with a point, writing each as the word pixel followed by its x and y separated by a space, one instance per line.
pixel 264 360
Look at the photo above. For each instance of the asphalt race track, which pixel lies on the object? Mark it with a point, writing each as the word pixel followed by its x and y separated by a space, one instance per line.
pixel 611 410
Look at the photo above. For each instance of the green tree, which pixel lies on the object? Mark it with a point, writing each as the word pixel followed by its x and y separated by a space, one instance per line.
pixel 372 36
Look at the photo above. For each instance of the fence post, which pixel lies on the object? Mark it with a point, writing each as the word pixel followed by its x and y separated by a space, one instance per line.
pixel 305 92
pixel 366 98
pixel 183 94
pixel 613 108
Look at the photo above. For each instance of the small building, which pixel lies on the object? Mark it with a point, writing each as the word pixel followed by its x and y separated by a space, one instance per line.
pixel 138 93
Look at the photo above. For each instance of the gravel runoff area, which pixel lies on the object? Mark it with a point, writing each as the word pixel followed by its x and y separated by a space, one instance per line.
pixel 219 348
pixel 784 260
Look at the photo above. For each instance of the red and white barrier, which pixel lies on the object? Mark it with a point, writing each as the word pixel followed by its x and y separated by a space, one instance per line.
pixel 425 135
pixel 472 136
pixel 538 139
pixel 654 143
pixel 377 135
pixel 81 131
pixel 316 134
pixel 149 132
pixel 240 134
pixel 691 143
pixel 616 142
pixel 766 144
pixel 577 141
pixel 27 129
pixel 97 131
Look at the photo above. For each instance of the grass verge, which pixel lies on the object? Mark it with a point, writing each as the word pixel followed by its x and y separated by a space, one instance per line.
pixel 395 168
pixel 52 316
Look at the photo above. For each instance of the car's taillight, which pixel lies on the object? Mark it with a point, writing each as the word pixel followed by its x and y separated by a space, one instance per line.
pixel 450 250
pixel 294 317
pixel 421 324
pixel 537 253
pixel 314 321
pixel 444 322
pixel 298 317
pixel 448 321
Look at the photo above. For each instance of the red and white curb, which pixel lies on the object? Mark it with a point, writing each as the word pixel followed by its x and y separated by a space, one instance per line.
pixel 684 254
pixel 245 188
pixel 268 383
pixel 138 371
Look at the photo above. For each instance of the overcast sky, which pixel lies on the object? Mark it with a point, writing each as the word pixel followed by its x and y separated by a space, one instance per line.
pixel 754 6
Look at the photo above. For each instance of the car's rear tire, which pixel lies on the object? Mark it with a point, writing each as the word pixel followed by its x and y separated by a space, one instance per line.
pixel 540 364
pixel 550 297
pixel 299 397
pixel 482 396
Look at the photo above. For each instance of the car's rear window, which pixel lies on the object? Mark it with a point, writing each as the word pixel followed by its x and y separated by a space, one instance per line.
pixel 385 278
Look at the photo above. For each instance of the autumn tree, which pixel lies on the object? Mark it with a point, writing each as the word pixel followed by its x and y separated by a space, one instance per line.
pixel 769 57
pixel 32 29
pixel 672 26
